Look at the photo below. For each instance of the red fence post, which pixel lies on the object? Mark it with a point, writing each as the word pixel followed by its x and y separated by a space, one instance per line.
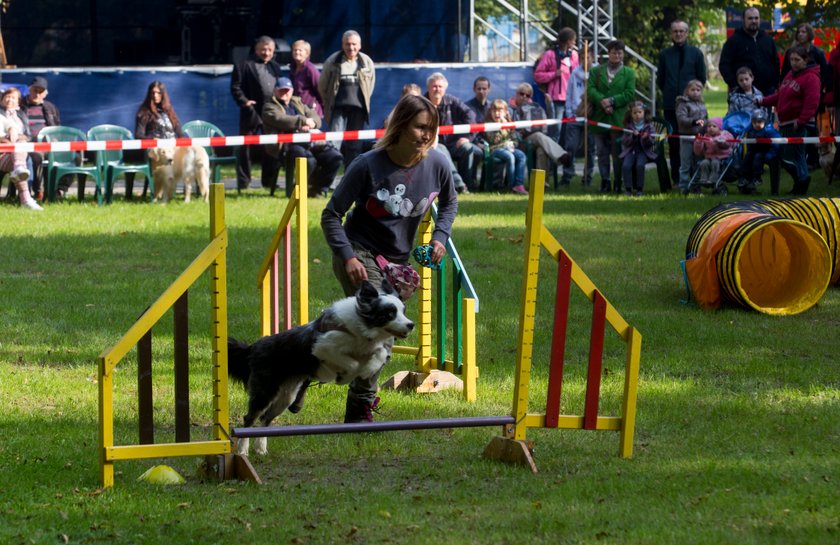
pixel 596 361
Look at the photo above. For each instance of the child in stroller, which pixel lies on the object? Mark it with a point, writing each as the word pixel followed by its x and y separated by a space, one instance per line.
pixel 714 146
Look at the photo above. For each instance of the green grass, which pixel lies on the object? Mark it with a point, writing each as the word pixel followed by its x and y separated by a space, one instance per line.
pixel 737 437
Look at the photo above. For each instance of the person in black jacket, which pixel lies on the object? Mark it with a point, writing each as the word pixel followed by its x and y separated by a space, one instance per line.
pixel 460 148
pixel 678 65
pixel 752 47
pixel 41 113
pixel 252 84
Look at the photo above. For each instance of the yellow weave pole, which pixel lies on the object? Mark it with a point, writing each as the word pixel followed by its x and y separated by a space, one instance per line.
pixel 631 387
pixel 424 302
pixel 469 369
pixel 106 423
pixel 218 306
pixel 528 308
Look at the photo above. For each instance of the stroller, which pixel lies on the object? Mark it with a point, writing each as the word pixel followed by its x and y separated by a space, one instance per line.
pixel 737 124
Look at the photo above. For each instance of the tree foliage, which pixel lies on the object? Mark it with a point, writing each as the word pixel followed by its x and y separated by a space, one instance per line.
pixel 643 24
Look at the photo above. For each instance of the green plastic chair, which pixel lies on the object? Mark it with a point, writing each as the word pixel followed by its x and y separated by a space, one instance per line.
pixel 110 162
pixel 61 163
pixel 205 129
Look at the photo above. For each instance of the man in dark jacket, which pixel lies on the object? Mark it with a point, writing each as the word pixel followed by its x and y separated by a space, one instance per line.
pixel 41 113
pixel 285 113
pixel 678 65
pixel 752 47
pixel 251 84
pixel 460 148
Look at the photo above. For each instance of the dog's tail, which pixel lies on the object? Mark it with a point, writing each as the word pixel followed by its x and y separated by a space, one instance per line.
pixel 238 354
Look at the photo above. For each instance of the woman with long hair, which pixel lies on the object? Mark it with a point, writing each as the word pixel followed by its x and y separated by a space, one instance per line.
pixel 156 118
pixel 390 189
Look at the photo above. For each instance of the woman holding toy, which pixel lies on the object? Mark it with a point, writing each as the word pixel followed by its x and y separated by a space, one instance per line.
pixel 392 188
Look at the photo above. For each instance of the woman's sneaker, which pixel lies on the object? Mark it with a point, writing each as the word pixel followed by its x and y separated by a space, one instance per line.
pixel 520 189
pixel 31 204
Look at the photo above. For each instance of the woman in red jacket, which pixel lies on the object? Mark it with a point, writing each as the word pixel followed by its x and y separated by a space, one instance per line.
pixel 796 103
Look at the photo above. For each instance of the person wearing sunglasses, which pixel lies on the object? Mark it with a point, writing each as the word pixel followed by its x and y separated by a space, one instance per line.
pixel 545 148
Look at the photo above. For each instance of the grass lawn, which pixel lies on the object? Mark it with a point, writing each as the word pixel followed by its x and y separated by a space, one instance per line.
pixel 737 435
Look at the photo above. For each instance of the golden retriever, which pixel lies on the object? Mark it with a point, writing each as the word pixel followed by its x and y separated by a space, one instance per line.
pixel 187 165
pixel 827 151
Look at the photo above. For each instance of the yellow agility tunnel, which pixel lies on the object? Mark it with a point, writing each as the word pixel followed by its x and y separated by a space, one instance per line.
pixel 775 256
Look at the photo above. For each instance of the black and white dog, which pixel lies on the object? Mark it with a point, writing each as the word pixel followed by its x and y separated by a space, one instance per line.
pixel 352 338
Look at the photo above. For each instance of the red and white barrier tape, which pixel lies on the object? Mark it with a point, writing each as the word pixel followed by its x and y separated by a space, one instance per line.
pixel 372 134
pixel 218 141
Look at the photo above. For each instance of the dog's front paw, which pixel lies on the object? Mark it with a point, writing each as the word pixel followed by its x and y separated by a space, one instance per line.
pixel 242 446
pixel 261 446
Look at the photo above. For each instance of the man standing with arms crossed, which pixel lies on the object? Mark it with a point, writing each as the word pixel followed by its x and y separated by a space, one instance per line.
pixel 678 64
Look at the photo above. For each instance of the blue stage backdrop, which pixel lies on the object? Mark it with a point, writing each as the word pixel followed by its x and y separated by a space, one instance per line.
pixel 88 97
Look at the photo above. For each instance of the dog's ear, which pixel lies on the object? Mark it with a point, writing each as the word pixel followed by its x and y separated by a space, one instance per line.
pixel 387 288
pixel 366 292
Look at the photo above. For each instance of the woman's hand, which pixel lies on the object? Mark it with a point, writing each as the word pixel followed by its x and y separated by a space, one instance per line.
pixel 438 251
pixel 355 270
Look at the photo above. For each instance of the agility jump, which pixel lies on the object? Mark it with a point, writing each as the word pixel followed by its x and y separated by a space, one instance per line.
pixel 512 446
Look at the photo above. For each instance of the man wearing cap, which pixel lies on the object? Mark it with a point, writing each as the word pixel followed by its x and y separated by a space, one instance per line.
pixel 285 113
pixel 42 113
pixel 346 85
pixel 251 85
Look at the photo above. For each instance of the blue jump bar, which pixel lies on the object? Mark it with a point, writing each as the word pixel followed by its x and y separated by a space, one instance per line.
pixel 396 425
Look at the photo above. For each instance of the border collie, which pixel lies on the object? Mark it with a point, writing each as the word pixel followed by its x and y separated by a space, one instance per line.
pixel 352 338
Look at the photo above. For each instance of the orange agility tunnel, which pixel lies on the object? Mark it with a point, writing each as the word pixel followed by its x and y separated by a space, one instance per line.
pixel 774 256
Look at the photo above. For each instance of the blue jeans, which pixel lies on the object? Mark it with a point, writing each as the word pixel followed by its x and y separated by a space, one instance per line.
pixel 348 119
pixel 573 144
pixel 633 167
pixel 793 155
pixel 559 131
pixel 514 163
pixel 687 162
pixel 467 158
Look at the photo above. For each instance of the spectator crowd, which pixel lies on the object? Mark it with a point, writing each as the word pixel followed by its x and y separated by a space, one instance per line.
pixel 765 90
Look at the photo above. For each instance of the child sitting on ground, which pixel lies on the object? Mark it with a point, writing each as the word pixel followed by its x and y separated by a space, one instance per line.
pixel 714 146
pixel 636 147
pixel 758 155
pixel 503 147
pixel 691 118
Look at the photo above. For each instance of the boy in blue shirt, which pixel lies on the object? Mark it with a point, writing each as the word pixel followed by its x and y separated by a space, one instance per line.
pixel 758 154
